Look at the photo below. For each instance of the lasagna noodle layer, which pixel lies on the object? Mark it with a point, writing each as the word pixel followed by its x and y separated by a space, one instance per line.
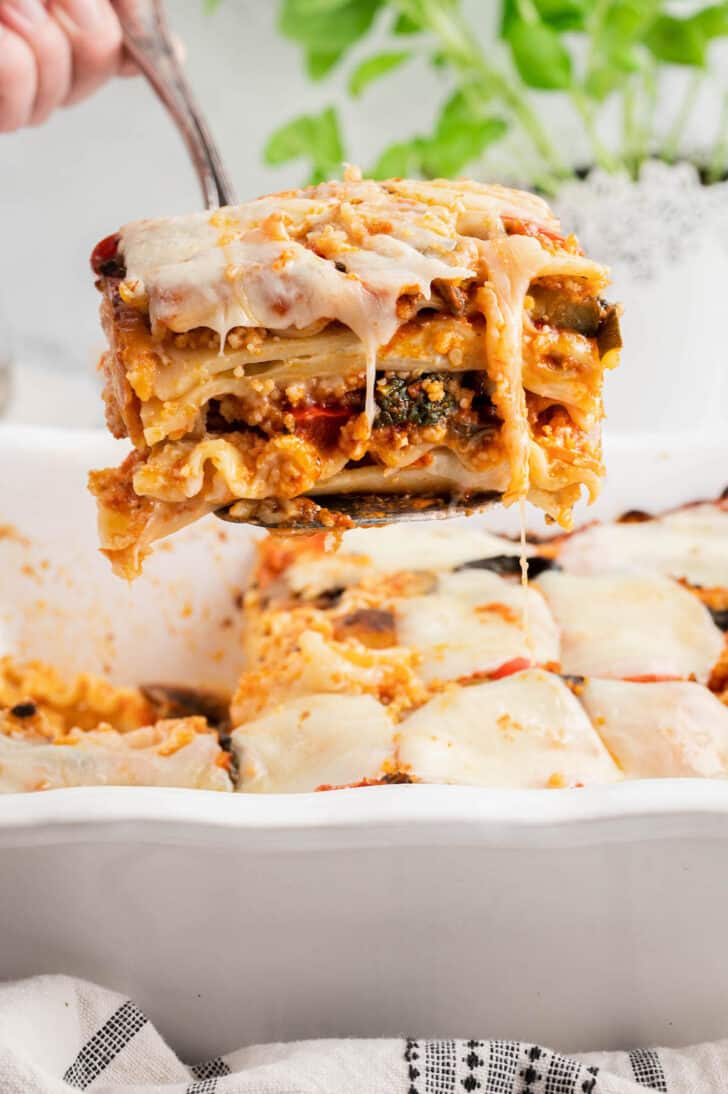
pixel 181 753
pixel 156 391
pixel 433 309
pixel 144 500
pixel 58 731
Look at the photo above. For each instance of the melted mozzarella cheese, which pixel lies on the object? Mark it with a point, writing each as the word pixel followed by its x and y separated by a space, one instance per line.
pixel 106 758
pixel 662 730
pixel 432 546
pixel 247 272
pixel 691 543
pixel 348 252
pixel 527 730
pixel 389 549
pixel 316 740
pixel 473 623
pixel 626 625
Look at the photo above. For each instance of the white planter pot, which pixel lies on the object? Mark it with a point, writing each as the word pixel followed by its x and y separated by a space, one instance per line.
pixel 666 240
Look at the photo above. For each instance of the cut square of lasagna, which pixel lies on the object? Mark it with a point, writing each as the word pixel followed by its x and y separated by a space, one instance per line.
pixel 404 337
pixel 82 731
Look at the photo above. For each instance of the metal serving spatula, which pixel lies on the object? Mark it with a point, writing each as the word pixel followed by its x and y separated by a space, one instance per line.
pixel 149 42
pixel 342 511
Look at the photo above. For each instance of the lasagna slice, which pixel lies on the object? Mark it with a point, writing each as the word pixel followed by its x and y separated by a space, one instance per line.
pixel 674 729
pixel 83 731
pixel 314 742
pixel 413 338
pixel 631 626
pixel 182 753
pixel 688 544
pixel 351 622
pixel 527 730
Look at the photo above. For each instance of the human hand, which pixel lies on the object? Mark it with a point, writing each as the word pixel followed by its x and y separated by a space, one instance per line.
pixel 53 54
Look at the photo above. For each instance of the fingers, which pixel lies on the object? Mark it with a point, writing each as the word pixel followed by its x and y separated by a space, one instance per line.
pixel 29 19
pixel 94 36
pixel 18 80
pixel 54 53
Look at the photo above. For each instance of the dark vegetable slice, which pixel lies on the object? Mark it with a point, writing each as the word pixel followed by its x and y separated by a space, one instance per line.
pixel 634 516
pixel 173 701
pixel 572 680
pixel 554 306
pixel 720 617
pixel 329 598
pixel 609 336
pixel 24 710
pixel 372 627
pixel 454 297
pixel 510 564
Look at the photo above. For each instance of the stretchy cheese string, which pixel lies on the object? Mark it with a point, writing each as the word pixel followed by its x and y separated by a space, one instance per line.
pixel 523 561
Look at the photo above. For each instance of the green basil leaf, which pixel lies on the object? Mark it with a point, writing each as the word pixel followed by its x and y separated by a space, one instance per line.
pixel 625 58
pixel 712 22
pixel 317 175
pixel 328 25
pixel 405 24
pixel 373 68
pixel 626 22
pixel 677 41
pixel 316 137
pixel 288 142
pixel 560 15
pixel 401 160
pixel 540 57
pixel 320 62
pixel 306 9
pixel 455 111
pixel 211 6
pixel 601 82
pixel 509 16
pixel 564 14
pixel 453 147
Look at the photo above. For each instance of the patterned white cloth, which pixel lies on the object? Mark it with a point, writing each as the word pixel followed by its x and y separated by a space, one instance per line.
pixel 59 1035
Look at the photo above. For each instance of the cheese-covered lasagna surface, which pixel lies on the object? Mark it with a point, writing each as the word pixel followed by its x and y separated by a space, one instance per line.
pixel 407 337
pixel 83 731
pixel 418 655
pixel 610 663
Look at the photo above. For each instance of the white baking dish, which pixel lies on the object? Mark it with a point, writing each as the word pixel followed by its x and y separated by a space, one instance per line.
pixel 589 918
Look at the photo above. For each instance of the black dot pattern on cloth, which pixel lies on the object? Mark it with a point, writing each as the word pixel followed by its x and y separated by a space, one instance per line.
pixel 647 1069
pixel 493 1067
pixel 105 1045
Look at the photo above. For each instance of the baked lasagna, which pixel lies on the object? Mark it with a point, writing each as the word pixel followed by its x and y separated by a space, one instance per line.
pixel 370 338
pixel 419 656
pixel 83 731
